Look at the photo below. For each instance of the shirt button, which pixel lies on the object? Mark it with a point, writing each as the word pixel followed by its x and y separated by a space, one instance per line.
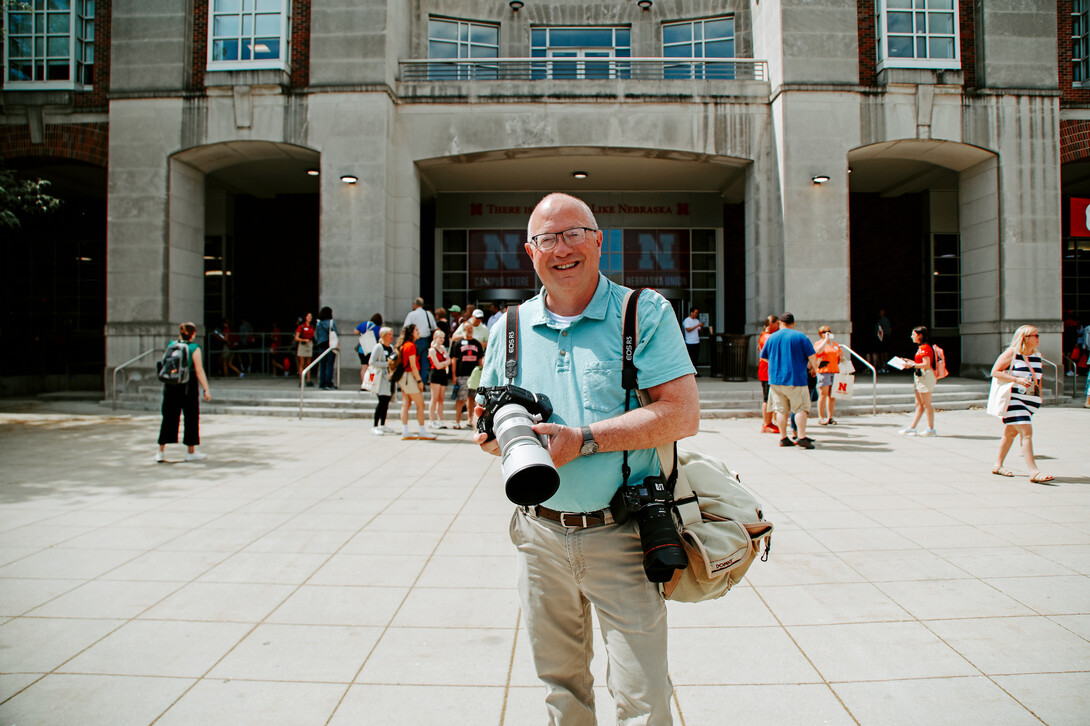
pixel 563 352
pixel 564 333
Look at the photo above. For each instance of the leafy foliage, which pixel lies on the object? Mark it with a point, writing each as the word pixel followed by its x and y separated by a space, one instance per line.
pixel 22 197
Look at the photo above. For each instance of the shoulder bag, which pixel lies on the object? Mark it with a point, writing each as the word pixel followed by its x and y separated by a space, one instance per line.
pixel 999 397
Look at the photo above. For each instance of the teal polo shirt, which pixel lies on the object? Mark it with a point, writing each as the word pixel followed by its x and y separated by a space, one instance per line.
pixel 579 369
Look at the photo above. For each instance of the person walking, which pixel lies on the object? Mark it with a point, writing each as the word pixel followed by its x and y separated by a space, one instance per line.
pixel 412 383
pixel 181 400
pixel 572 557
pixel 366 330
pixel 692 326
pixel 323 334
pixel 304 339
pixel 923 377
pixel 772 324
pixel 438 378
pixel 384 389
pixel 426 325
pixel 1020 364
pixel 829 354
pixel 791 357
pixel 467 355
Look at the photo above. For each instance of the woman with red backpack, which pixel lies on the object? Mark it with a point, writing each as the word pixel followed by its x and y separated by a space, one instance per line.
pixel 923 368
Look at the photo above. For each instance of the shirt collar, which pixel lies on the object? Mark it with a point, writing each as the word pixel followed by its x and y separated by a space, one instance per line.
pixel 536 314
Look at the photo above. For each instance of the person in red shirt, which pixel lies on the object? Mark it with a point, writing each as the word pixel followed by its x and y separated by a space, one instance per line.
pixel 772 324
pixel 412 383
pixel 829 355
pixel 923 368
pixel 304 336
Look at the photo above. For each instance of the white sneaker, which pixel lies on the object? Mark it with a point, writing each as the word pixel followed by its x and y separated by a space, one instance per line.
pixel 426 435
pixel 196 456
pixel 160 457
pixel 907 432
pixel 377 431
pixel 928 432
pixel 387 430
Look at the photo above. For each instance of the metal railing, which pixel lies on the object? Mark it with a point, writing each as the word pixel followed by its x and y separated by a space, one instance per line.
pixel 1076 392
pixel 584 69
pixel 117 369
pixel 303 374
pixel 1056 369
pixel 874 375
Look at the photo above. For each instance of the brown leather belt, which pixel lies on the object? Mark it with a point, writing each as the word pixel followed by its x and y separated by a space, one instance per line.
pixel 574 520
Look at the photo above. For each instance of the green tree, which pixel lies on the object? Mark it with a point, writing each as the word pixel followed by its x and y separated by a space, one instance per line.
pixel 22 197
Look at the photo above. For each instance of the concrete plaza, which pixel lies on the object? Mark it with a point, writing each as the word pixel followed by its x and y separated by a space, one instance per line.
pixel 310 573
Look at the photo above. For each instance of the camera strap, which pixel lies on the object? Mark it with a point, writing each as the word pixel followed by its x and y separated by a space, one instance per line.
pixel 511 368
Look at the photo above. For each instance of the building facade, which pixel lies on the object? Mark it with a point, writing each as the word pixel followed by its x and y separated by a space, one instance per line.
pixel 260 158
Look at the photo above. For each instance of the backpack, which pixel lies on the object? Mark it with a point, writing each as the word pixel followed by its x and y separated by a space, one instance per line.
pixel 939 363
pixel 173 369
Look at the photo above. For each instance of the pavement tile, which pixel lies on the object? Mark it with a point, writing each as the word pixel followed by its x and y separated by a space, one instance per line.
pixel 80 699
pixel 122 538
pixel 894 565
pixel 491 571
pixel 1058 699
pixel 526 705
pixel 1078 624
pixel 825 604
pixel 38 645
pixel 12 683
pixel 932 599
pixel 986 642
pixel 392 543
pixel 159 648
pixel 300 541
pixel 762 704
pixel 1056 595
pixel 333 605
pixel 459 608
pixel 878 651
pixel 215 702
pixel 372 705
pixel 697 657
pixel 742 607
pixel 40 535
pixel 166 566
pixel 812 569
pixel 65 564
pixel 1075 557
pixel 320 653
pixel 266 567
pixel 1002 562
pixel 222 602
pixel 18 595
pixel 108 599
pixel 373 570
pixel 440 656
pixel 933 701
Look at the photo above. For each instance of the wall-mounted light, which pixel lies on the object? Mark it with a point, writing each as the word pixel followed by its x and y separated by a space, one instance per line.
pixel 349 179
pixel 312 172
pixel 516 5
pixel 580 174
pixel 645 4
pixel 819 178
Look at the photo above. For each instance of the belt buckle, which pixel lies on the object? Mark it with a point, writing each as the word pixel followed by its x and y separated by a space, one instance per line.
pixel 582 518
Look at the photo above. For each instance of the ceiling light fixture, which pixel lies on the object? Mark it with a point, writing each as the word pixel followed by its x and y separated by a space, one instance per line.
pixel 312 172
pixel 645 4
pixel 820 178
pixel 580 174
pixel 349 179
pixel 516 5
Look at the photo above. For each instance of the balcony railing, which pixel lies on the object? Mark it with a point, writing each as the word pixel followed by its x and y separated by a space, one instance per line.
pixel 584 69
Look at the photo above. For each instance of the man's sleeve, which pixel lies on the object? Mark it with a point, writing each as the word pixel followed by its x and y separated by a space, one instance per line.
pixel 660 353
pixel 808 348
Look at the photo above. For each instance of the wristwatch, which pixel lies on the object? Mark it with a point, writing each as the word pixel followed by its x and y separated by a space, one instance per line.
pixel 590 446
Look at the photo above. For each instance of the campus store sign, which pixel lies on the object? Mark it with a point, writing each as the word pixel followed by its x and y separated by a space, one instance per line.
pixel 498 260
pixel 656 258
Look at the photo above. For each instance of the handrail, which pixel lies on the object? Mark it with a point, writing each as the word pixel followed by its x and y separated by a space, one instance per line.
pixel 1075 374
pixel 303 375
pixel 1056 385
pixel 126 364
pixel 874 373
pixel 583 69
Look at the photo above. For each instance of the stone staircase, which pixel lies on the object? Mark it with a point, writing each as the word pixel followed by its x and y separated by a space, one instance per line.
pixel 267 396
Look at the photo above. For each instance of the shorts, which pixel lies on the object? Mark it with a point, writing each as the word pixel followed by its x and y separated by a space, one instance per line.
pixel 306 349
pixel 408 384
pixel 925 382
pixel 365 360
pixel 825 379
pixel 438 377
pixel 789 399
pixel 764 391
pixel 463 389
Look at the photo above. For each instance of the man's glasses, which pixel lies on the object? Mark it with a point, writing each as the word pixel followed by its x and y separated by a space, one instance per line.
pixel 573 236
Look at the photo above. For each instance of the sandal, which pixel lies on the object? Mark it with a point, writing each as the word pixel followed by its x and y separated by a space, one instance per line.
pixel 1041 478
pixel 831 422
pixel 1000 471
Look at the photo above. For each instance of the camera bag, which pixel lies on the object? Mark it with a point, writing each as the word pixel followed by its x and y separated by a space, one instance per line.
pixel 721 522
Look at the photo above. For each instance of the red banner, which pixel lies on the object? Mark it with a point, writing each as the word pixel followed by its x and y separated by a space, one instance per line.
pixel 1080 217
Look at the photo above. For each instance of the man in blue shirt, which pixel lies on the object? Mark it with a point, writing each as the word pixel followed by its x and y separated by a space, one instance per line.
pixel 789 353
pixel 571 554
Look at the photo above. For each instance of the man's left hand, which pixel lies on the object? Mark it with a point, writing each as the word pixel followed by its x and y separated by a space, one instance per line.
pixel 564 442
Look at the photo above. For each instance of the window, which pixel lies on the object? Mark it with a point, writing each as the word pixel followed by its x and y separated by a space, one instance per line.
pixel 580 47
pixel 50 43
pixel 1080 41
pixel 248 35
pixel 456 39
pixel 945 281
pixel 709 38
pixel 918 34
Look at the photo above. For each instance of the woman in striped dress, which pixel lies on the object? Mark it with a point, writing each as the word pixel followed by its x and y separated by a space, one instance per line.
pixel 1021 365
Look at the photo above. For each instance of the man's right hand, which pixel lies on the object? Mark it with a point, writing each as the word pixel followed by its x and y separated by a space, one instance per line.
pixel 488 446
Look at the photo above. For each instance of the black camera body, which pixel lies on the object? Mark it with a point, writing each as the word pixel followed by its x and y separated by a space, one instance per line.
pixel 652 505
pixel 510 412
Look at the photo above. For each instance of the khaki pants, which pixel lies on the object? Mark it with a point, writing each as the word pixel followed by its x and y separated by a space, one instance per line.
pixel 562 572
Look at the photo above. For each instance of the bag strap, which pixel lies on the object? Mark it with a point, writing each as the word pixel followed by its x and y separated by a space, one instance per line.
pixel 685 500
pixel 511 368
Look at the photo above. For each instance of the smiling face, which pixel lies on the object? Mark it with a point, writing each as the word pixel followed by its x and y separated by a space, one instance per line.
pixel 569 273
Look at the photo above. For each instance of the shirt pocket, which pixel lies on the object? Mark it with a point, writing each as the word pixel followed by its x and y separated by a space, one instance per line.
pixel 602 391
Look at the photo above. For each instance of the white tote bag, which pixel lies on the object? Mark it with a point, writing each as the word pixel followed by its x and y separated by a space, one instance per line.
pixel 999 397
pixel 843 383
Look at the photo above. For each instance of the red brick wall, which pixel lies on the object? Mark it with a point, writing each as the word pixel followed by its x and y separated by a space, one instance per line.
pixel 1071 96
pixel 866 16
pixel 96 97
pixel 1074 141
pixel 80 142
pixel 300 43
